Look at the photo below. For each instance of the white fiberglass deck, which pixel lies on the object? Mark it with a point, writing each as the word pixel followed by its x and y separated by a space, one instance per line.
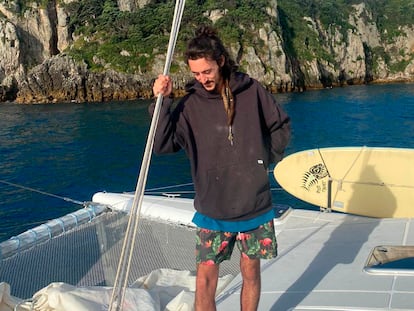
pixel 321 265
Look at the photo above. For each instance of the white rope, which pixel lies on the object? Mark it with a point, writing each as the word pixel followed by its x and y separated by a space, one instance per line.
pixel 42 192
pixel 124 264
pixel 170 187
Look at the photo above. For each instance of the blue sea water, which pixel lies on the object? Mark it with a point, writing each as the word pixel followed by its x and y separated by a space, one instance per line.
pixel 74 150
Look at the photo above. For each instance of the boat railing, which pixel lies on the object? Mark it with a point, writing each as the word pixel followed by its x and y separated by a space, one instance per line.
pixel 50 229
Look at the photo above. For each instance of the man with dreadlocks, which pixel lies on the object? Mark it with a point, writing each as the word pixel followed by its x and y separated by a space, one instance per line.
pixel 231 129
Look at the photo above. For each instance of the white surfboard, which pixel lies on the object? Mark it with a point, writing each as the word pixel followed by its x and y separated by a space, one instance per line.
pixel 375 182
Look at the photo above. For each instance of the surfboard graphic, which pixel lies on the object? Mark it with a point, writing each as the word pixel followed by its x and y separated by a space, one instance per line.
pixel 367 181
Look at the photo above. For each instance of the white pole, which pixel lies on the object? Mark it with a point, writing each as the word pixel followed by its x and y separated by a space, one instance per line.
pixel 121 279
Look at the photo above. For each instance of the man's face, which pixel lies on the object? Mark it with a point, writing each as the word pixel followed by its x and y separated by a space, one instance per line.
pixel 207 72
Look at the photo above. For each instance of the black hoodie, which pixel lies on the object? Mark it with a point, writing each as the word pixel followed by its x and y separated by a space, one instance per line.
pixel 231 180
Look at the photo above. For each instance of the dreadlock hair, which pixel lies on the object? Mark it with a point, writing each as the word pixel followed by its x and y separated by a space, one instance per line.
pixel 207 44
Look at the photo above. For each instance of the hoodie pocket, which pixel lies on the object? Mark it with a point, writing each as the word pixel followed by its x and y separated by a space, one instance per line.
pixel 234 191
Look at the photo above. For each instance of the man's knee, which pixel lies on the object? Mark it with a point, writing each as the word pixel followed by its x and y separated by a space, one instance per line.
pixel 207 276
pixel 250 269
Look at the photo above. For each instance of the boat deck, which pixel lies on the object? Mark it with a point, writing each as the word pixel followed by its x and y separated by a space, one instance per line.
pixel 321 265
pixel 89 255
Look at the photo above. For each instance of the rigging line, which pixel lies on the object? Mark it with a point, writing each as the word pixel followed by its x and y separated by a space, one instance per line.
pixel 276 189
pixel 329 194
pixel 269 171
pixel 42 192
pixel 122 274
pixel 192 191
pixel 350 167
pixel 169 193
pixel 371 183
pixel 353 163
pixel 169 187
pixel 324 164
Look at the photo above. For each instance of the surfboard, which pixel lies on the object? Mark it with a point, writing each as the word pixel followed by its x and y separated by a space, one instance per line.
pixel 366 181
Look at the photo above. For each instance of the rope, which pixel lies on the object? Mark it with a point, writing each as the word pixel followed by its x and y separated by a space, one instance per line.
pixel 323 161
pixel 169 187
pixel 121 279
pixel 42 192
pixel 352 165
pixel 370 183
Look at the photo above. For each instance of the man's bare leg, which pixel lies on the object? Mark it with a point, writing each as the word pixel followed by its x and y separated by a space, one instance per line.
pixel 250 293
pixel 206 286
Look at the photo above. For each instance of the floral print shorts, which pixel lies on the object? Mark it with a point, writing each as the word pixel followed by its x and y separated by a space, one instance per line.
pixel 213 247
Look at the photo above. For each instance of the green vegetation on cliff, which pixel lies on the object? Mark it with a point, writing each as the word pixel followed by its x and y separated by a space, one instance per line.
pixel 388 15
pixel 104 31
pixel 128 41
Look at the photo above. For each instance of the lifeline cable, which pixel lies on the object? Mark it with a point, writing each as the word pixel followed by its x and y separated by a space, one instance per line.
pixel 121 279
pixel 42 192
pixel 330 179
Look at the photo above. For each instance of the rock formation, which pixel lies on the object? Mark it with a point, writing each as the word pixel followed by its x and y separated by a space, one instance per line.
pixel 34 67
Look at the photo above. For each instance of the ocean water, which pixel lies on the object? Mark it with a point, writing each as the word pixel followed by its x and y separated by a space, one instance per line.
pixel 52 153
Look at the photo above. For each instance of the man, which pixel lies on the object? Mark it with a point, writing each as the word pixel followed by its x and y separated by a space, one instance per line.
pixel 231 129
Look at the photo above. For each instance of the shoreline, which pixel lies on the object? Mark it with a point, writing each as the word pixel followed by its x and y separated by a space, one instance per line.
pixel 180 92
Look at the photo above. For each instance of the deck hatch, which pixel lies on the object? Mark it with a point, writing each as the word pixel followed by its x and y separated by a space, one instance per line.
pixel 390 260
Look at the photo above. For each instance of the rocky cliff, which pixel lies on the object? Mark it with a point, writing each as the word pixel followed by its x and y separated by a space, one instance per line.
pixel 36 67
